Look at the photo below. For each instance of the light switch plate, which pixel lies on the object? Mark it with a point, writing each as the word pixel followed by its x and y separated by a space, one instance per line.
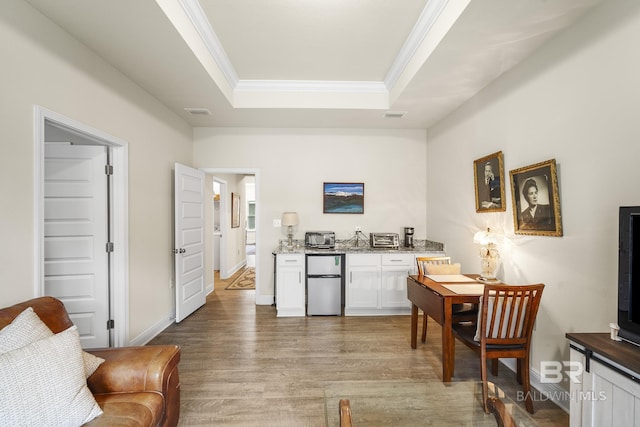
pixel 277 223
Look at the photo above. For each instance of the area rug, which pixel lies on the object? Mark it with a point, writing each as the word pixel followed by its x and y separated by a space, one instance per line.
pixel 246 280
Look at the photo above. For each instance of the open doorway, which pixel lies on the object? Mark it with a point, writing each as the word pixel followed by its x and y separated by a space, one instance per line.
pixel 235 243
pixel 61 145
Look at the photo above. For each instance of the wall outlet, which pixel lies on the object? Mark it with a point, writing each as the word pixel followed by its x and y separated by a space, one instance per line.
pixel 358 228
pixel 277 223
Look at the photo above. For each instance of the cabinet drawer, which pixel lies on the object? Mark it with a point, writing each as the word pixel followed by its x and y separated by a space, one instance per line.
pixel 397 259
pixel 363 260
pixel 293 260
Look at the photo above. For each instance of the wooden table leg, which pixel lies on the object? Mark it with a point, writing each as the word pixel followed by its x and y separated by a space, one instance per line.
pixel 448 344
pixel 414 326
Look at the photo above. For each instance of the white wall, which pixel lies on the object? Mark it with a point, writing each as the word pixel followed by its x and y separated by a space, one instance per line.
pixel 43 65
pixel 576 100
pixel 293 164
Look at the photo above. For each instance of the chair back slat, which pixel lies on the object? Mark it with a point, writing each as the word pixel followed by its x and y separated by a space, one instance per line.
pixel 509 313
pixel 422 261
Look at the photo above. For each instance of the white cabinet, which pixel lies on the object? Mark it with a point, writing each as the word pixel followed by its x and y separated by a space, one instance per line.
pixel 290 285
pixel 376 284
pixel 605 393
pixel 362 290
pixel 393 284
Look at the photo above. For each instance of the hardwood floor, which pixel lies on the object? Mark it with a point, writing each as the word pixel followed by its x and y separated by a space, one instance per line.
pixel 242 366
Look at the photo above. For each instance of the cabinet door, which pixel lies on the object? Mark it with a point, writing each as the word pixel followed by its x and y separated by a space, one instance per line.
pixel 603 397
pixel 290 292
pixel 393 283
pixel 363 287
pixel 393 287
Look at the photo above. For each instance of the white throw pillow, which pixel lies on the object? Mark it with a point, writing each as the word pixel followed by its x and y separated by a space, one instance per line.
pixel 444 269
pixel 43 384
pixel 25 329
pixel 28 328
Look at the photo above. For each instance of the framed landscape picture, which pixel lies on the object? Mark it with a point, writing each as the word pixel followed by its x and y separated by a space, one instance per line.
pixel 343 197
pixel 488 173
pixel 536 200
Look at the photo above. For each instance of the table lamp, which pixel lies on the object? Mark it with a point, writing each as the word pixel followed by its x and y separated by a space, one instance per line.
pixel 290 220
pixel 489 255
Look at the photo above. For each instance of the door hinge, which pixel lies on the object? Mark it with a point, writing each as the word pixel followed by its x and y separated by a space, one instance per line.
pixel 111 324
pixel 110 247
pixel 108 170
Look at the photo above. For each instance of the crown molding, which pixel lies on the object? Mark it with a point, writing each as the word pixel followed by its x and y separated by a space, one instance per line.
pixel 311 86
pixel 432 26
pixel 310 94
pixel 425 22
pixel 199 20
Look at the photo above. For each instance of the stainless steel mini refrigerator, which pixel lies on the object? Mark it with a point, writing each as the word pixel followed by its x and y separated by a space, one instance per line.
pixel 324 284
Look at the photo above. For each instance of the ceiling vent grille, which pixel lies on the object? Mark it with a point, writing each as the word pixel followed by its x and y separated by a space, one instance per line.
pixel 394 114
pixel 198 111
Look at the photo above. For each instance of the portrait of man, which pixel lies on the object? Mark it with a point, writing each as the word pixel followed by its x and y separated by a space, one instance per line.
pixel 489 177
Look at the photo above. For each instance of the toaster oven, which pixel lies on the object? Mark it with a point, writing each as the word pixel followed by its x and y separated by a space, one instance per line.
pixel 320 239
pixel 384 240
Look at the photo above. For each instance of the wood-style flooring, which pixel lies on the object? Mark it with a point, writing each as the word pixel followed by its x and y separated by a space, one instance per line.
pixel 243 366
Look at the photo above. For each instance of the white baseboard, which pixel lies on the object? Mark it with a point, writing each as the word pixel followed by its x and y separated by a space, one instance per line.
pixel 231 271
pixel 153 331
pixel 265 299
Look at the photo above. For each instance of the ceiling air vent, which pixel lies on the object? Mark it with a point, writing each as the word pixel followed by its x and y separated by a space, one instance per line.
pixel 394 114
pixel 198 111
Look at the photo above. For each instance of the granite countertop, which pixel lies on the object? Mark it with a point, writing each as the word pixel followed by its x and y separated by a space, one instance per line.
pixel 348 247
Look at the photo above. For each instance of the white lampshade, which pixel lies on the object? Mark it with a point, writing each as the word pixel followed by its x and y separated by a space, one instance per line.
pixel 485 237
pixel 290 219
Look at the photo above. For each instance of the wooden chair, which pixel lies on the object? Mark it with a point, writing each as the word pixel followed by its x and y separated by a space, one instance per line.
pixel 504 329
pixel 461 312
pixel 503 417
pixel 345 413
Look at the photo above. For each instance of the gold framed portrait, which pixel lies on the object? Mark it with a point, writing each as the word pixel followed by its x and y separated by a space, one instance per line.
pixel 536 199
pixel 489 183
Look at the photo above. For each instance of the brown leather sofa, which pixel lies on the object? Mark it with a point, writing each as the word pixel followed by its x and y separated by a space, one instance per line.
pixel 135 386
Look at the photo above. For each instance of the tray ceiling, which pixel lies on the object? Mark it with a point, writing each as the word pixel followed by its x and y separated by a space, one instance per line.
pixel 313 63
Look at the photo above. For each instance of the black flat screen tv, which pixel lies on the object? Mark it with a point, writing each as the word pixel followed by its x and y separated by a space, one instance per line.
pixel 629 274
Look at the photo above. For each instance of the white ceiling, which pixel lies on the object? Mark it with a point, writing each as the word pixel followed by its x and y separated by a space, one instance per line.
pixel 313 63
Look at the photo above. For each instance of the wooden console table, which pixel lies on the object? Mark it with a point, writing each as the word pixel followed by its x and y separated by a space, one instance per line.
pixel 436 301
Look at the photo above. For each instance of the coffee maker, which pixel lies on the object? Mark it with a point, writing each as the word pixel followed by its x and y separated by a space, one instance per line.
pixel 408 237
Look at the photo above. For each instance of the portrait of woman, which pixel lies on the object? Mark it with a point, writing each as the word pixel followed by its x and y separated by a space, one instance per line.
pixel 536 201
pixel 537 213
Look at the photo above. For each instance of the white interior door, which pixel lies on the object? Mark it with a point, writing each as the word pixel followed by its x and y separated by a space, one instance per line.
pixel 75 236
pixel 189 240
